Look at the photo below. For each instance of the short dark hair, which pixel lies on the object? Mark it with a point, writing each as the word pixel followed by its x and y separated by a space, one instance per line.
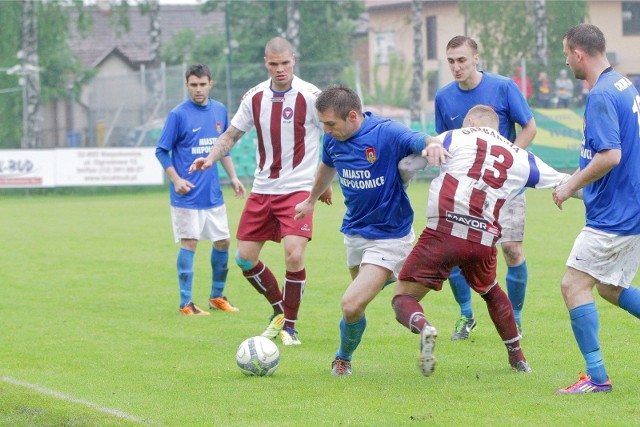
pixel 340 99
pixel 458 41
pixel 587 37
pixel 198 70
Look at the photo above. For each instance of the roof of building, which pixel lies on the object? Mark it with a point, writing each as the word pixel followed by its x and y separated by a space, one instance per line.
pixel 91 49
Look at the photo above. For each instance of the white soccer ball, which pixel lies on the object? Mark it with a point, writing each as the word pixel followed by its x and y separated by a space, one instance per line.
pixel 258 356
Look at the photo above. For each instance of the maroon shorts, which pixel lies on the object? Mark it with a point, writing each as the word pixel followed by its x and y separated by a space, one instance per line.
pixel 436 253
pixel 270 217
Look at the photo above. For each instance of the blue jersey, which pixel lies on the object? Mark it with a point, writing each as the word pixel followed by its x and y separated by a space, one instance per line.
pixel 611 121
pixel 189 132
pixel 367 167
pixel 496 91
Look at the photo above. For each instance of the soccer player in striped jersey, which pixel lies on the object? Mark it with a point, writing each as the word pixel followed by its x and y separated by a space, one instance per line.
pixel 282 109
pixel 478 177
pixel 606 253
pixel 363 150
pixel 198 211
pixel 472 87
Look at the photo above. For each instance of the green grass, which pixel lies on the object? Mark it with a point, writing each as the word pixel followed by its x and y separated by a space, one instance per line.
pixel 88 311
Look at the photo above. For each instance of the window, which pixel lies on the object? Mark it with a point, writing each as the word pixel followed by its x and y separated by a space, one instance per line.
pixel 384 46
pixel 630 18
pixel 432 39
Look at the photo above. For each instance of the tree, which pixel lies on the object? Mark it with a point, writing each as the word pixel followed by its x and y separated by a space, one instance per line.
pixel 321 59
pixel 418 60
pixel 31 75
pixel 540 14
pixel 60 76
pixel 506 30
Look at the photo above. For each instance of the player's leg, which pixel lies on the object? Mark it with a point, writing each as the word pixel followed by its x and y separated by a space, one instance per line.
pixel 187 225
pixel 577 289
pixel 513 222
pixel 296 234
pixel 426 268
pixel 462 294
pixel 592 260
pixel 255 227
pixel 368 281
pixel 626 298
pixel 216 229
pixel 480 271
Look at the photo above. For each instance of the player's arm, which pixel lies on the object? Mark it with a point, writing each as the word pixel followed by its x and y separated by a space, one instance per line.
pixel 526 135
pixel 222 146
pixel 599 166
pixel 181 185
pixel 435 152
pixel 236 184
pixel 323 180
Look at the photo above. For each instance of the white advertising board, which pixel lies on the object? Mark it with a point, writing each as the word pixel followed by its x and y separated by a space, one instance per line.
pixel 27 168
pixel 70 167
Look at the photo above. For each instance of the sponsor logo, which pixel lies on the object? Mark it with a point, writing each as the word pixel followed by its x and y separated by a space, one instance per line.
pixel 455 117
pixel 476 223
pixel 196 129
pixel 305 227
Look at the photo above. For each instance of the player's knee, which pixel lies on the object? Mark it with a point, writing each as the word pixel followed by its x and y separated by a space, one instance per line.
pixel 513 253
pixel 244 264
pixel 352 310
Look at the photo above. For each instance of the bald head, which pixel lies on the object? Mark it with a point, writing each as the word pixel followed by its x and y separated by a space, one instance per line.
pixel 481 116
pixel 278 46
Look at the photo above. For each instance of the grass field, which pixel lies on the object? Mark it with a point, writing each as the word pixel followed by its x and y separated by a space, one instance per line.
pixel 90 332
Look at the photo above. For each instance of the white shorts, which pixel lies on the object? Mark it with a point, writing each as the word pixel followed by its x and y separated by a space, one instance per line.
pixel 512 220
pixel 608 258
pixel 387 253
pixel 200 224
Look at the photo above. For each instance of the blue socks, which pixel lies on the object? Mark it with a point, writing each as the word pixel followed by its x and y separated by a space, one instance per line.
pixel 185 275
pixel 219 261
pixel 630 300
pixel 461 292
pixel 350 337
pixel 517 287
pixel 585 325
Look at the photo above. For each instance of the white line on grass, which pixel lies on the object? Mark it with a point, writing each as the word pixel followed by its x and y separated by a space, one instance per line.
pixel 43 390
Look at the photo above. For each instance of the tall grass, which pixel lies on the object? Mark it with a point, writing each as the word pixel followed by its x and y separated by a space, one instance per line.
pixel 89 311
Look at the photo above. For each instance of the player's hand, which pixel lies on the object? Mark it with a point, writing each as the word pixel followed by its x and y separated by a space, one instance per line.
pixel 303 209
pixel 560 194
pixel 326 196
pixel 200 164
pixel 183 186
pixel 238 188
pixel 436 154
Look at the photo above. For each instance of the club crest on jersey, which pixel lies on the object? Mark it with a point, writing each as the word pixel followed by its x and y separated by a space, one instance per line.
pixel 219 127
pixel 370 153
pixel 287 113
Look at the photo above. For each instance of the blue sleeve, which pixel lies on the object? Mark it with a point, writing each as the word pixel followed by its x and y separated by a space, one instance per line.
pixel 602 122
pixel 519 111
pixel 164 157
pixel 326 157
pixel 407 141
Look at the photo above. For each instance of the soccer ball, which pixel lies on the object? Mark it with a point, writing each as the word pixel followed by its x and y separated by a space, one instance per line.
pixel 258 356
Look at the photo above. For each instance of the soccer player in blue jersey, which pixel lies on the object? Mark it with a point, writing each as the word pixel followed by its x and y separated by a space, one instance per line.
pixel 606 253
pixel 364 151
pixel 198 211
pixel 472 87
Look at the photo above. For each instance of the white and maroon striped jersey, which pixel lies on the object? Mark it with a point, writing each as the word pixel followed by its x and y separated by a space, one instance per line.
pixel 288 132
pixel 483 174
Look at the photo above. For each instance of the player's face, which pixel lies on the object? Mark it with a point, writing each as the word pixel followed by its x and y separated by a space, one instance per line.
pixel 463 62
pixel 338 128
pixel 280 67
pixel 199 88
pixel 572 60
